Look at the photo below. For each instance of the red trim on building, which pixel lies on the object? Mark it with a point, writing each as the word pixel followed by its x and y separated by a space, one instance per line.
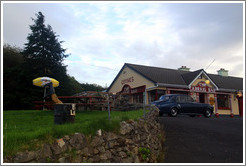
pixel 240 105
pixel 224 108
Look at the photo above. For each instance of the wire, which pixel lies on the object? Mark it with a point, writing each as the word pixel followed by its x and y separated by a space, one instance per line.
pixel 107 68
pixel 210 64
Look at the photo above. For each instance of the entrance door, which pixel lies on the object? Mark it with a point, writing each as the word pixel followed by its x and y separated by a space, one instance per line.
pixel 202 97
pixel 240 104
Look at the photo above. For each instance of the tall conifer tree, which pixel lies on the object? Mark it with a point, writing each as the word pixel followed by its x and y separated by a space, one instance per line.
pixel 44 54
pixel 43 51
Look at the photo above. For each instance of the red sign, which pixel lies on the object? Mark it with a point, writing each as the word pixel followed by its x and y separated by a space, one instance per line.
pixel 125 81
pixel 202 87
pixel 128 90
pixel 139 89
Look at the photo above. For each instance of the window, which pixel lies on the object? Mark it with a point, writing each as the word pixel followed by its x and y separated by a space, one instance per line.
pixel 181 99
pixel 184 99
pixel 156 94
pixel 160 93
pixel 164 98
pixel 189 99
pixel 138 98
pixel 223 101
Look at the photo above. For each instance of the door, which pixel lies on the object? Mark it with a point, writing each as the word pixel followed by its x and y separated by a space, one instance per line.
pixel 240 105
pixel 202 97
pixel 183 105
pixel 193 106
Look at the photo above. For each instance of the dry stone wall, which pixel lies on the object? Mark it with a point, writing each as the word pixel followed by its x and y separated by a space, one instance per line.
pixel 137 141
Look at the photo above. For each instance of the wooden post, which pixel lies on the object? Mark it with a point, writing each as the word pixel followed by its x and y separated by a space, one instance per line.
pixel 108 108
pixel 144 102
pixel 197 97
pixel 44 97
pixel 230 105
pixel 156 95
pixel 216 106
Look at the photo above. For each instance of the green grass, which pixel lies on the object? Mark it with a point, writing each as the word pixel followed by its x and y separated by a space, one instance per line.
pixel 29 129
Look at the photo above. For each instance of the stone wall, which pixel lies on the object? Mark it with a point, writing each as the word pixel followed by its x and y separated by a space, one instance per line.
pixel 136 141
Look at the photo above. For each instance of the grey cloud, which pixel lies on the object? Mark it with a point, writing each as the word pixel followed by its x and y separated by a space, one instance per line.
pixel 218 24
pixel 186 34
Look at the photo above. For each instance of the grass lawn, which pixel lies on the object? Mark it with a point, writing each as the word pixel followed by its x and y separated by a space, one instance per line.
pixel 29 129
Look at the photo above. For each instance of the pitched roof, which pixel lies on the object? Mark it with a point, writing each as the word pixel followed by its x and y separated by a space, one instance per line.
pixel 190 76
pixel 233 83
pixel 182 78
pixel 159 75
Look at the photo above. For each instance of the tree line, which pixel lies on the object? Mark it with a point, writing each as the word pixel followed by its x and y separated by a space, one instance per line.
pixel 42 55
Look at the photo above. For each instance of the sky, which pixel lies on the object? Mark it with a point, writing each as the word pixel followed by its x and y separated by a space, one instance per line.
pixel 101 36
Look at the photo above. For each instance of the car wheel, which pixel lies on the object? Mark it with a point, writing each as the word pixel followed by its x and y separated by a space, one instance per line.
pixel 173 112
pixel 207 113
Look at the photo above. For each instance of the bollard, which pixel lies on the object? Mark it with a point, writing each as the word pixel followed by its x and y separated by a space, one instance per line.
pixel 217 115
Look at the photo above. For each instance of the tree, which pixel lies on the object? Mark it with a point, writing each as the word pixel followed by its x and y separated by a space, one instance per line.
pixel 43 50
pixel 12 60
pixel 75 86
pixel 44 54
pixel 11 57
pixel 91 87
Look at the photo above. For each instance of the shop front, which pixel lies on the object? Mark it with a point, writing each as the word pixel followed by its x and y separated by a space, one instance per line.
pixel 132 95
pixel 144 84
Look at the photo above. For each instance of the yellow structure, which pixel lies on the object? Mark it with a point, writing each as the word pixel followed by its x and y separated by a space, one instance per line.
pixel 41 81
pixel 144 84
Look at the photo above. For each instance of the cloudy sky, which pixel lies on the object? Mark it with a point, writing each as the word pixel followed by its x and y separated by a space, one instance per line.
pixel 101 37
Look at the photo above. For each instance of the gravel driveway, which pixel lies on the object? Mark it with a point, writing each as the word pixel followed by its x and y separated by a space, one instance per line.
pixel 203 140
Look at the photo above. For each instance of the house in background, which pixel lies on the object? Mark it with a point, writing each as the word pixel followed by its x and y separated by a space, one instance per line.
pixel 144 84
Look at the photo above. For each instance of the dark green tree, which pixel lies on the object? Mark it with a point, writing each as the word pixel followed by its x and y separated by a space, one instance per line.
pixel 43 50
pixel 11 57
pixel 92 87
pixel 12 60
pixel 44 55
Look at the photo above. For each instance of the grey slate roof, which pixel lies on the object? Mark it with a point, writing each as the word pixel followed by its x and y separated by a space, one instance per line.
pixel 234 83
pixel 179 77
pixel 159 75
pixel 190 76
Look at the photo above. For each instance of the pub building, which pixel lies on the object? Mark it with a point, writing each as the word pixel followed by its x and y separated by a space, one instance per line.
pixel 144 84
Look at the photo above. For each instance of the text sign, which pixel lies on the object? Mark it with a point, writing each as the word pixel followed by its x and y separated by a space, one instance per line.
pixel 202 87
pixel 128 80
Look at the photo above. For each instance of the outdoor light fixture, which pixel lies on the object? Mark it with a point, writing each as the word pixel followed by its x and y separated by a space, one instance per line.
pixel 207 82
pixel 237 94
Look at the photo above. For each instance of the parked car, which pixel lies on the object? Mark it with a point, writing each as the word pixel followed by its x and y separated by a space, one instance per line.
pixel 175 104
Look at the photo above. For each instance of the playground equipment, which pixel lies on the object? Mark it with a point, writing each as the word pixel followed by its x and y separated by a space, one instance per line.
pixel 62 112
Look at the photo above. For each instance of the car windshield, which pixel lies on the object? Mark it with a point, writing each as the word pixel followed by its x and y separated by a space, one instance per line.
pixel 164 98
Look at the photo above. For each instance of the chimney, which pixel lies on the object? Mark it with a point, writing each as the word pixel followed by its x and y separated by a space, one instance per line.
pixel 223 72
pixel 184 68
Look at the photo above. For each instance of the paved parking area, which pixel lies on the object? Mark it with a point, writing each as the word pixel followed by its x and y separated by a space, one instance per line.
pixel 203 140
